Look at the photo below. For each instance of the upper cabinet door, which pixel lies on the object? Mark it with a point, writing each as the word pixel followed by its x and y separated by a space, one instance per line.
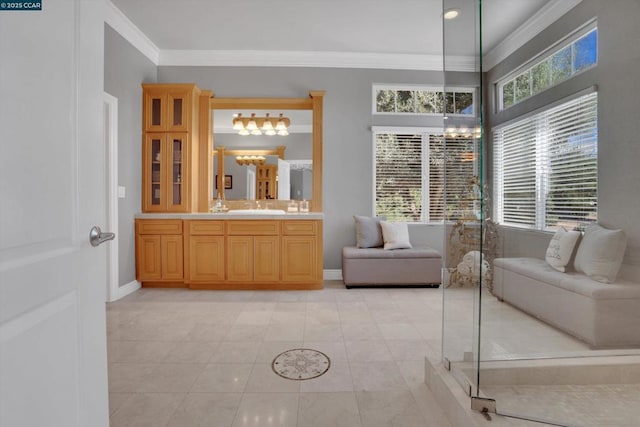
pixel 154 110
pixel 178 110
pixel 167 108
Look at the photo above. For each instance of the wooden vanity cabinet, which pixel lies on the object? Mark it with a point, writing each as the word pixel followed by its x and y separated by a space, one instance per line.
pixel 253 253
pixel 159 252
pixel 229 254
pixel 301 251
pixel 204 251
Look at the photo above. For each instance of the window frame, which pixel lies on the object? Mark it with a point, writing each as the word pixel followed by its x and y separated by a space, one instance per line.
pixel 541 184
pixel 547 54
pixel 406 87
pixel 425 133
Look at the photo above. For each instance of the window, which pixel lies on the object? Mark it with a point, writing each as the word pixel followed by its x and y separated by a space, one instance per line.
pixel 410 174
pixel 545 167
pixel 577 53
pixel 420 100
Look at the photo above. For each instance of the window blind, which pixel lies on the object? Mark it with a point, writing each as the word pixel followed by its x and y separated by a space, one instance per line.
pixel 451 167
pixel 421 177
pixel 399 176
pixel 546 167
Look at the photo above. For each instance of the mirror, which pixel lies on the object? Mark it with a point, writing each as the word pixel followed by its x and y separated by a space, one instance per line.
pixel 301 153
pixel 289 167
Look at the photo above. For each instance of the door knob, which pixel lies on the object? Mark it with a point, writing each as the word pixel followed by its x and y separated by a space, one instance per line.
pixel 96 236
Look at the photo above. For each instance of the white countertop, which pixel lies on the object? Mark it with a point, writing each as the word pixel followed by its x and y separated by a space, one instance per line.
pixel 222 216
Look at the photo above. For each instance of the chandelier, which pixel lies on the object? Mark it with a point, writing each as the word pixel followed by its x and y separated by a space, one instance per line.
pixel 250 160
pixel 258 125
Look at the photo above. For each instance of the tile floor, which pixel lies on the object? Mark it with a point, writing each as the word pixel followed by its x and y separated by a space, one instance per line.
pixel 203 358
pixel 195 358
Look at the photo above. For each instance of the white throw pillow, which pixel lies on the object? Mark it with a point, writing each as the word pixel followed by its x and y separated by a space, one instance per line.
pixel 561 247
pixel 600 253
pixel 395 235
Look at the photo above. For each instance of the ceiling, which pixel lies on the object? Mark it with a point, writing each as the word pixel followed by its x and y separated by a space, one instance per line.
pixel 410 27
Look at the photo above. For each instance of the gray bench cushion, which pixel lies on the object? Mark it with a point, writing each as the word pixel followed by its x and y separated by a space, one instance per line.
pixel 372 253
pixel 538 269
pixel 376 266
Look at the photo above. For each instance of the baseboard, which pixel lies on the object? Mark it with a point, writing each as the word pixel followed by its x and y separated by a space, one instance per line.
pixel 127 289
pixel 332 274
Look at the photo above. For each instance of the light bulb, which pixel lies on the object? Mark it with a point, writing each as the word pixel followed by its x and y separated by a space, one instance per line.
pixel 237 123
pixel 252 125
pixel 256 131
pixel 281 125
pixel 243 132
pixel 283 132
pixel 270 132
pixel 267 125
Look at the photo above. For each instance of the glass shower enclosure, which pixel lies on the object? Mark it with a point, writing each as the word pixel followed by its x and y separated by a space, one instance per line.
pixel 512 55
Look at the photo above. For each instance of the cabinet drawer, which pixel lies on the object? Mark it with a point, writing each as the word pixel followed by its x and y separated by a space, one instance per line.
pixel 159 226
pixel 252 228
pixel 298 228
pixel 206 228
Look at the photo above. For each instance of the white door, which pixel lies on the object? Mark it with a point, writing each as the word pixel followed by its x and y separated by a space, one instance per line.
pixel 251 182
pixel 284 180
pixel 52 191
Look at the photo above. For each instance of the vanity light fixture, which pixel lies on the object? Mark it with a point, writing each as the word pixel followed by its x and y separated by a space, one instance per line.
pixel 463 131
pixel 250 160
pixel 258 125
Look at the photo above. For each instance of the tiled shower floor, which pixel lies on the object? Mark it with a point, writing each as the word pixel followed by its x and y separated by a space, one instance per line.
pixel 596 405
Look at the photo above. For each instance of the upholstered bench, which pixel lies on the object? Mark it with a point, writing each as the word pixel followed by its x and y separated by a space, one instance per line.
pixel 380 267
pixel 601 314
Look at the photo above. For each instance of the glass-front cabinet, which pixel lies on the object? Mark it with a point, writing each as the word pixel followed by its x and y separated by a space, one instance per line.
pixel 165 172
pixel 170 146
pixel 167 108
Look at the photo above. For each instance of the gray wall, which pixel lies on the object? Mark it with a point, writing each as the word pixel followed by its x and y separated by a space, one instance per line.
pixel 618 103
pixel 348 145
pixel 125 68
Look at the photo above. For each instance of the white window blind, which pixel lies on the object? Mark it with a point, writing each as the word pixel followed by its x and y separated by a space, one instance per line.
pixel 546 167
pixel 451 167
pixel 399 176
pixel 420 177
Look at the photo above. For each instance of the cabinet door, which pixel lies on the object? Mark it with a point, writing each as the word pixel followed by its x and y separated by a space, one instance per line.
pixel 178 108
pixel 172 258
pixel 149 260
pixel 206 258
pixel 167 110
pixel 299 258
pixel 240 258
pixel 154 171
pixel 266 259
pixel 176 173
pixel 155 110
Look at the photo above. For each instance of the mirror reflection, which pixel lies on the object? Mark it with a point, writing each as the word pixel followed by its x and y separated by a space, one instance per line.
pixel 285 173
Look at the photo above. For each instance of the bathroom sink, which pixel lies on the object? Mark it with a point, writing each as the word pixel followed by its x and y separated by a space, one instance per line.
pixel 257 211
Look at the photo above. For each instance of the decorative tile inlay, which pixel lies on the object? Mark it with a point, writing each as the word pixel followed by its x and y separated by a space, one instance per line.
pixel 301 364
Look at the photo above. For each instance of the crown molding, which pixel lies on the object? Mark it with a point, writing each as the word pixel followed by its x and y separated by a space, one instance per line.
pixel 546 16
pixel 127 29
pixel 252 58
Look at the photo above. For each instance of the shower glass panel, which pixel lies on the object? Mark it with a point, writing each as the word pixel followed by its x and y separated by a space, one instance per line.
pixel 462 158
pixel 521 337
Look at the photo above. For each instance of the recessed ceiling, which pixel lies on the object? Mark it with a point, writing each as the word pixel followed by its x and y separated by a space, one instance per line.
pixel 359 26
